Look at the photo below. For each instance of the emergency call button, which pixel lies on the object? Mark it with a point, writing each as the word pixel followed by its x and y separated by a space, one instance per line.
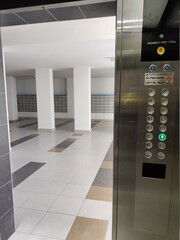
pixel 160 50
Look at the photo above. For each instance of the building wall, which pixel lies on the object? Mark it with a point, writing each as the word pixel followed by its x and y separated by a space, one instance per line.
pixel 6 199
pixel 102 98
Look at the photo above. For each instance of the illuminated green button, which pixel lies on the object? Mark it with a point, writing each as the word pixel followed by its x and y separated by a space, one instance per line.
pixel 162 137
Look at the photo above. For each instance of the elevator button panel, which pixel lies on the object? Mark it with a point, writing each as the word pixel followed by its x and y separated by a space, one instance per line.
pixel 157 108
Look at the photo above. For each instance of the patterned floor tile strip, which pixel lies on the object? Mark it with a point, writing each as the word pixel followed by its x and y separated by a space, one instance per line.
pixel 107 164
pixel 24 172
pixel 27 125
pixel 88 229
pixel 63 145
pixel 24 139
pixel 100 193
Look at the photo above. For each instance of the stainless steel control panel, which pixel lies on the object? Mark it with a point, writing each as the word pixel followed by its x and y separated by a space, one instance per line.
pixel 155 148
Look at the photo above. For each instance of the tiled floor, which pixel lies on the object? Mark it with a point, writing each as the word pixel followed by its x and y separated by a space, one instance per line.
pixel 63 187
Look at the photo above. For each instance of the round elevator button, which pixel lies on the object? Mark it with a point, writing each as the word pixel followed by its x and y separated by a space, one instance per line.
pixel 153 68
pixel 151 101
pixel 150 119
pixel 149 136
pixel 148 154
pixel 165 92
pixel 149 127
pixel 164 110
pixel 161 145
pixel 151 92
pixel 162 128
pixel 166 67
pixel 150 110
pixel 149 145
pixel 164 101
pixel 163 119
pixel 162 137
pixel 161 155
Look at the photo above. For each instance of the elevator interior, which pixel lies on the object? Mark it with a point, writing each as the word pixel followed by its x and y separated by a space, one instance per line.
pixel 146 197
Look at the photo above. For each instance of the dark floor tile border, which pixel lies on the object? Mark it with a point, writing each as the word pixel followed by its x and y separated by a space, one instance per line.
pixel 63 123
pixel 24 172
pixel 18 120
pixel 27 125
pixel 94 123
pixel 63 145
pixel 24 139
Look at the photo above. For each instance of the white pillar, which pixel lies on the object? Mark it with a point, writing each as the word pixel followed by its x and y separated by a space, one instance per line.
pixel 45 98
pixel 82 98
pixel 70 97
pixel 12 98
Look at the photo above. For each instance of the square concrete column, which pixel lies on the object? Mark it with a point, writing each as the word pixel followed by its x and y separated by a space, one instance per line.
pixel 70 97
pixel 6 197
pixel 45 98
pixel 12 98
pixel 82 98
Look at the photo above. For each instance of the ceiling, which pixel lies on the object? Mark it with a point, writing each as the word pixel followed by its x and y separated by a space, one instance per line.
pixel 60 45
pixel 49 13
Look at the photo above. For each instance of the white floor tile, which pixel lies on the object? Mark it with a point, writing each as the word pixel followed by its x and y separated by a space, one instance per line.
pixel 19 236
pixel 109 231
pixel 26 220
pixel 54 226
pixel 53 188
pixel 30 185
pixel 83 179
pixel 74 190
pixel 39 201
pixel 65 205
pixel 64 177
pixel 35 237
pixel 19 197
pixel 96 209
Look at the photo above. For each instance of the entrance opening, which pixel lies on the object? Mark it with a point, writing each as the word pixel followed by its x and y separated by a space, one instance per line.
pixel 59 63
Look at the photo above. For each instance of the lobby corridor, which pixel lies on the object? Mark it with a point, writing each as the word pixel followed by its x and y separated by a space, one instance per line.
pixel 62 181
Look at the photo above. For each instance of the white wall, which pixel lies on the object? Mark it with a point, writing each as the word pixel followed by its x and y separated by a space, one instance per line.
pixel 60 86
pixel 102 86
pixel 28 86
pixel 98 86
